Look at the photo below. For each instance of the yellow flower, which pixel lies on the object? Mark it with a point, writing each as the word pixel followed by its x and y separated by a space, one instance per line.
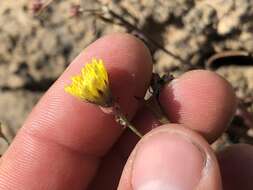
pixel 92 85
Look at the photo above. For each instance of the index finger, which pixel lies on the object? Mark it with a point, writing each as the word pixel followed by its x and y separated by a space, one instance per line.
pixel 63 139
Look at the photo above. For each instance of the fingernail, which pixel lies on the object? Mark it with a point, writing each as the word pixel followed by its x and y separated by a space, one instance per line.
pixel 167 161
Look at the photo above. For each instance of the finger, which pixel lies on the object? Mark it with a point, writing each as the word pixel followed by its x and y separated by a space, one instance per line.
pixel 171 157
pixel 201 100
pixel 63 139
pixel 236 163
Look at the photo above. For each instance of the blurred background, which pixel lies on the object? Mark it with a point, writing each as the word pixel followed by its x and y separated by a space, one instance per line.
pixel 39 38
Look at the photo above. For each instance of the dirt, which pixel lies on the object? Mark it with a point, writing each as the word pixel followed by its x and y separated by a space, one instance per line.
pixel 34 51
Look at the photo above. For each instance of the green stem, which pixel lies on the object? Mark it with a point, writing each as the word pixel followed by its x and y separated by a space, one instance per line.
pixel 123 121
pixel 134 130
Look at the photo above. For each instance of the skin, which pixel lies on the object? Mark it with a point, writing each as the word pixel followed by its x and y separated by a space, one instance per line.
pixel 69 144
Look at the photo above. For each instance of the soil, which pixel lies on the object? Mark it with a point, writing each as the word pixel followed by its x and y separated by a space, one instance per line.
pixel 181 34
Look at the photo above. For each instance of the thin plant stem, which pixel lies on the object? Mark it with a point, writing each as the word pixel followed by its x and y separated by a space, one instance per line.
pixel 123 121
pixel 132 128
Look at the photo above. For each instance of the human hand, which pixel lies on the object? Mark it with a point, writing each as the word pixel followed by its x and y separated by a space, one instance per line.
pixel 67 144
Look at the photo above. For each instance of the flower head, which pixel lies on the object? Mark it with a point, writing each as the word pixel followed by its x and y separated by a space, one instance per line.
pixel 92 85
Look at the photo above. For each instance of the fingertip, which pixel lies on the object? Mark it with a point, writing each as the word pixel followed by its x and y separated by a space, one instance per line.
pixel 131 49
pixel 171 157
pixel 201 100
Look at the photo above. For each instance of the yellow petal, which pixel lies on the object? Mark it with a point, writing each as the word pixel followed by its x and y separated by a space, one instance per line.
pixel 92 85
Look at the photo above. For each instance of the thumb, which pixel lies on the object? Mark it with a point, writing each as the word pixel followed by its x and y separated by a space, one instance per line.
pixel 171 157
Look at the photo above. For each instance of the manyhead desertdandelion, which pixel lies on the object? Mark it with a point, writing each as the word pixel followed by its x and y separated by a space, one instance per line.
pixel 92 86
